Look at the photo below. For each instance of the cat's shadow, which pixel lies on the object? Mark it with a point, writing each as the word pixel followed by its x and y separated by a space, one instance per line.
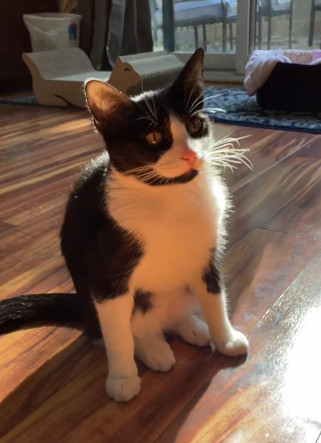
pixel 199 372
pixel 214 377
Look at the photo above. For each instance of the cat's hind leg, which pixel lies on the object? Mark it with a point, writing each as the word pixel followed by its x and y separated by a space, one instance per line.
pixel 150 344
pixel 193 330
pixel 155 352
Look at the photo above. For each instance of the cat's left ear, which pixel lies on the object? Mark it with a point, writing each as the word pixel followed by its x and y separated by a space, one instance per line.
pixel 191 77
pixel 106 104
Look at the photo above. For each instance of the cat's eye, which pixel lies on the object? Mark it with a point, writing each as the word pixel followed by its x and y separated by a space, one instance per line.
pixel 195 126
pixel 154 138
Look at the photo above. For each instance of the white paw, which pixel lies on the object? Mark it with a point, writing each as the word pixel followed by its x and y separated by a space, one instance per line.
pixel 235 344
pixel 122 388
pixel 156 354
pixel 195 333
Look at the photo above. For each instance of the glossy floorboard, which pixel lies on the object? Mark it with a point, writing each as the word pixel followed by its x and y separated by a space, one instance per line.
pixel 52 379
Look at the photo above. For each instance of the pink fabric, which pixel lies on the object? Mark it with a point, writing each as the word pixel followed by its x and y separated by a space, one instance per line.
pixel 262 63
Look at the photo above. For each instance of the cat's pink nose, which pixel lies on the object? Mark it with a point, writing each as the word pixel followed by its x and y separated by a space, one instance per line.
pixel 189 156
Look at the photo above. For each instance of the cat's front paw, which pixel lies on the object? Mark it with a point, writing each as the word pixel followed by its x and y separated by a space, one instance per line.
pixel 235 344
pixel 156 354
pixel 123 388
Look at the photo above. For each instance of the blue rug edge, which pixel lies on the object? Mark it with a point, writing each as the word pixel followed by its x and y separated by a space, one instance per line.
pixel 265 126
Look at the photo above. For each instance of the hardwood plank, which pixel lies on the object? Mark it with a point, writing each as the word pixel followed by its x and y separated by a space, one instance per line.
pixel 221 130
pixel 5 227
pixel 275 396
pixel 267 193
pixel 30 267
pixel 257 273
pixel 34 390
pixel 24 352
pixel 266 149
pixel 301 217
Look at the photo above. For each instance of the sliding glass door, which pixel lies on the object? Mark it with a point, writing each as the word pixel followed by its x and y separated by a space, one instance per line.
pixel 221 27
pixel 283 24
pixel 229 30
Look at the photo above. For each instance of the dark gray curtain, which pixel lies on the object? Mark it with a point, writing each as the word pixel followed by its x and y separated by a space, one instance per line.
pixel 114 27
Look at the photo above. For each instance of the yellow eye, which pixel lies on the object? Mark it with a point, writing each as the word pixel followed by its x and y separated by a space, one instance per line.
pixel 194 126
pixel 154 138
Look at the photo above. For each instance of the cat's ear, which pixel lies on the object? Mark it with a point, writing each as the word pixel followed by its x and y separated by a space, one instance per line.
pixel 191 77
pixel 105 103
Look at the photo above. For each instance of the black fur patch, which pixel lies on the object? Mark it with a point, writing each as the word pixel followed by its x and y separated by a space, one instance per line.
pixel 143 300
pixel 99 253
pixel 125 140
pixel 211 276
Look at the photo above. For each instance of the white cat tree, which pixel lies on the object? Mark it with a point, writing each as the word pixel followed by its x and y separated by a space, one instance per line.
pixel 58 76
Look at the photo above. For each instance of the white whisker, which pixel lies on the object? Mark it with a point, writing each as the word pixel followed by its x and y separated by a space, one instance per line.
pixel 150 109
pixel 213 110
pixel 148 118
pixel 207 110
pixel 226 154
pixel 148 112
pixel 154 107
pixel 213 96
pixel 145 111
pixel 189 98
pixel 201 99
pixel 197 102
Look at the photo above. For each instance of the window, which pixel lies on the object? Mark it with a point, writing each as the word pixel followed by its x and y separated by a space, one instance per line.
pixel 229 30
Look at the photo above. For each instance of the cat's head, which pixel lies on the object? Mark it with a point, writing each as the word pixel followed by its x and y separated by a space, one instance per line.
pixel 157 136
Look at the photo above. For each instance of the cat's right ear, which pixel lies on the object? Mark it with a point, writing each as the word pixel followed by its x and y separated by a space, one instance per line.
pixel 106 104
pixel 188 87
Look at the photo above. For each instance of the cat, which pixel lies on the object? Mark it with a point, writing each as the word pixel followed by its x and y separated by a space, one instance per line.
pixel 144 232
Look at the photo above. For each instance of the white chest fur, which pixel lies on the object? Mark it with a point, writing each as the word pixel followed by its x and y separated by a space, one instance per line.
pixel 176 224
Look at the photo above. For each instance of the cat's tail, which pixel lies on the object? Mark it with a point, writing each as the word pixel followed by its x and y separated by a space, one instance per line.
pixel 41 309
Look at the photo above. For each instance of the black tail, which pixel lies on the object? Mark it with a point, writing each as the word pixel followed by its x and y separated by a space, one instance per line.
pixel 41 309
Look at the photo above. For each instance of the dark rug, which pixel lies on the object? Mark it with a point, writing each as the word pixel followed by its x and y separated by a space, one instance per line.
pixel 28 100
pixel 239 109
pixel 24 100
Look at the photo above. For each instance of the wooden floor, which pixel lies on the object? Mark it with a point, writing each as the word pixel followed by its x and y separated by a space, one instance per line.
pixel 52 379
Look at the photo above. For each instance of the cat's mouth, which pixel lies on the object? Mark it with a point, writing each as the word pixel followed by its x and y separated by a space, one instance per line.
pixel 159 180
pixel 155 178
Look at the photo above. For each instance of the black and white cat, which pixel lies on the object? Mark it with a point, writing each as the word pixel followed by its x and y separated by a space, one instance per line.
pixel 143 230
